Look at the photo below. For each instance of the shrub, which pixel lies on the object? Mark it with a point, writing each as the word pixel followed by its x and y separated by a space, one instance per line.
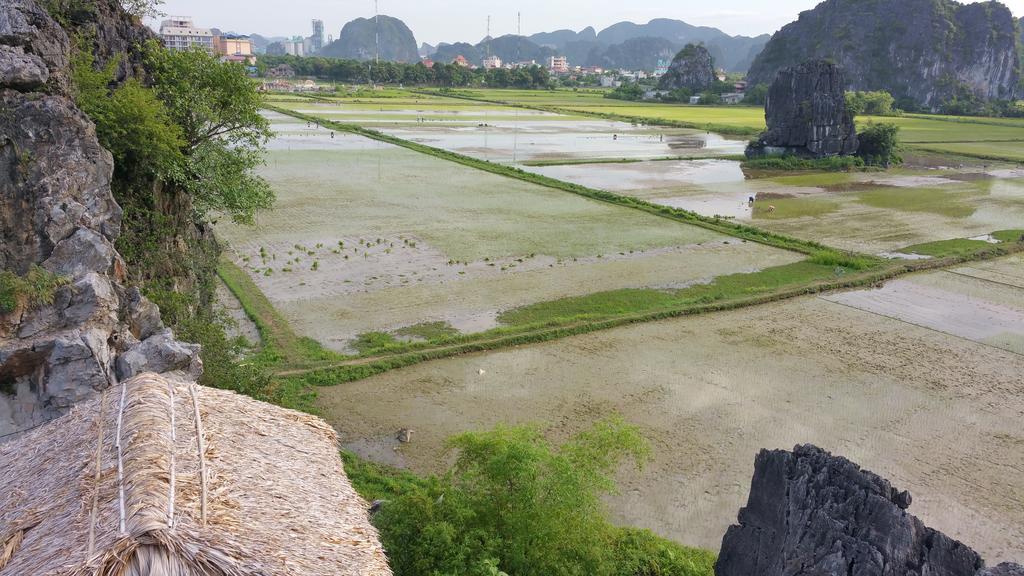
pixel 514 502
pixel 879 145
pixel 792 162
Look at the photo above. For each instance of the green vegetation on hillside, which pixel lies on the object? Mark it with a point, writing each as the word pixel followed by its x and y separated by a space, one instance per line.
pixel 184 148
pixel 512 503
pixel 36 288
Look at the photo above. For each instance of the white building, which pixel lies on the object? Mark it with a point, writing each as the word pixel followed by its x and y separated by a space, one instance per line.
pixel 179 33
pixel 492 62
pixel 558 64
pixel 295 47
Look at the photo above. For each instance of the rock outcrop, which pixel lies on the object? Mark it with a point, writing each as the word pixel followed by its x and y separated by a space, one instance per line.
pixel 921 51
pixel 810 512
pixel 358 41
pixel 692 69
pixel 57 212
pixel 806 114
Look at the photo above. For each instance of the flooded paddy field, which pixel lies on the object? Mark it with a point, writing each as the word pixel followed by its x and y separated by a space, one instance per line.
pixel 368 237
pixel 934 412
pixel 507 134
pixel 871 212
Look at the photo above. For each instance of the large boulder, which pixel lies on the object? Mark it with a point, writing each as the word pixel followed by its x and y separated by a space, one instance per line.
pixel 810 512
pixel 692 69
pixel 806 113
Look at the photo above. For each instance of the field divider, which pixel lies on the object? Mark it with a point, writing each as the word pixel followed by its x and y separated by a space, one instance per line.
pixel 720 225
pixel 358 368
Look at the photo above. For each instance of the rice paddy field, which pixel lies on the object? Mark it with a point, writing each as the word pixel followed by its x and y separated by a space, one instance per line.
pixel 870 212
pixel 918 381
pixel 917 378
pixel 986 138
pixel 509 134
pixel 368 238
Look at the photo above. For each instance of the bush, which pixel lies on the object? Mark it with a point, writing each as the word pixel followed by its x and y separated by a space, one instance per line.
pixel 514 502
pixel 879 145
pixel 631 92
pixel 642 553
pixel 792 162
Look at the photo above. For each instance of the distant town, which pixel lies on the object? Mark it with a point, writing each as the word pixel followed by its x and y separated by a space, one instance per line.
pixel 182 33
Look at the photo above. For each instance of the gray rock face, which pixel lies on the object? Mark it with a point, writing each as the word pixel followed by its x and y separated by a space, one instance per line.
pixel 25 24
pixel 160 353
pixel 22 71
pixel 925 51
pixel 692 68
pixel 57 211
pixel 806 113
pixel 813 513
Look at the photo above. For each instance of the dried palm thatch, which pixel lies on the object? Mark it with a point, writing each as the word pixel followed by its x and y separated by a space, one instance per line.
pixel 166 478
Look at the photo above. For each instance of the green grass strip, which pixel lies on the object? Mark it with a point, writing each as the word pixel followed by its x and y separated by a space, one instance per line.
pixel 577 161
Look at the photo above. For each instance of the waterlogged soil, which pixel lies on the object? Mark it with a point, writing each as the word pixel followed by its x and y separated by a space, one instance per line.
pixel 872 212
pixel 954 302
pixel 334 309
pixel 366 236
pixel 936 413
pixel 510 140
pixel 501 134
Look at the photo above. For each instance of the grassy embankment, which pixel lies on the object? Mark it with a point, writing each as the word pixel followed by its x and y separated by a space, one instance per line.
pixel 301 362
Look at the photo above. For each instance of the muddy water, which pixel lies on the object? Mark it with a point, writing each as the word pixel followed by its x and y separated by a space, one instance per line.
pixel 937 414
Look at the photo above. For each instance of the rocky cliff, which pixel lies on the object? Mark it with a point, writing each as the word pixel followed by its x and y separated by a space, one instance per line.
pixel 692 68
pixel 813 513
pixel 358 41
pixel 921 51
pixel 57 212
pixel 806 114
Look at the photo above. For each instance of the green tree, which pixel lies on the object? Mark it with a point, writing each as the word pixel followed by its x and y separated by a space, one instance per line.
pixel 877 103
pixel 515 502
pixel 217 107
pixel 879 144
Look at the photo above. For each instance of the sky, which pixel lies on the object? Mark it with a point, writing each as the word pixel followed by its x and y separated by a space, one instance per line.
pixel 466 20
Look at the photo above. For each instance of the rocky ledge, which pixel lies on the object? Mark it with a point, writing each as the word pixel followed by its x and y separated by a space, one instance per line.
pixel 812 513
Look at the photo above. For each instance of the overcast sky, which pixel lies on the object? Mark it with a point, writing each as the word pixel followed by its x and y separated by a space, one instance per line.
pixel 466 20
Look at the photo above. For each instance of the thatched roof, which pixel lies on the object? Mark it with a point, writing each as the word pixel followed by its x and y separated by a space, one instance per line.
pixel 220 484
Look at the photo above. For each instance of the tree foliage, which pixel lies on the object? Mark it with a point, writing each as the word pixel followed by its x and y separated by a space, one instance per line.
pixel 216 105
pixel 131 122
pixel 143 9
pixel 879 144
pixel 440 74
pixel 878 103
pixel 514 502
